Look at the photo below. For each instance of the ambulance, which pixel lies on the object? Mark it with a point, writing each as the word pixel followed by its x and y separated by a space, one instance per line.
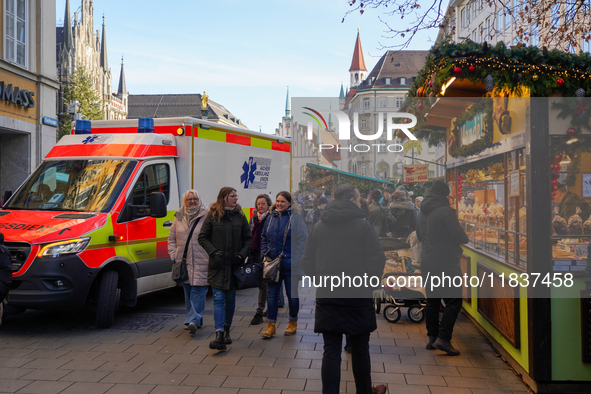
pixel 91 223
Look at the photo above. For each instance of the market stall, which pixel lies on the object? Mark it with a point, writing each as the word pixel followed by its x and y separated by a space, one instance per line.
pixel 518 158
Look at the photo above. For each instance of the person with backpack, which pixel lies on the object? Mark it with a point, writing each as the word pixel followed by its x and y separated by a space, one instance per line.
pixel 5 274
pixel 379 217
pixel 318 212
pixel 403 210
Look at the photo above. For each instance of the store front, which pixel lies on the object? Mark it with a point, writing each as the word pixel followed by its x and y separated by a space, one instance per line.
pixel 519 168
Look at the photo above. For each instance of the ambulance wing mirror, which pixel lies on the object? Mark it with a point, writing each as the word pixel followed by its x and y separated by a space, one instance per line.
pixel 158 205
pixel 5 197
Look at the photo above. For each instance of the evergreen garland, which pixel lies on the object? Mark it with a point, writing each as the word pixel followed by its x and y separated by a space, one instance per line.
pixel 486 106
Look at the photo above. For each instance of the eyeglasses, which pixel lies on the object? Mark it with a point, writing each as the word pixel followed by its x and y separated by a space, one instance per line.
pixel 192 199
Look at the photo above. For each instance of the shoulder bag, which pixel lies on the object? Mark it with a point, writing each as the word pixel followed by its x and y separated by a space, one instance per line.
pixel 272 267
pixel 180 274
pixel 248 275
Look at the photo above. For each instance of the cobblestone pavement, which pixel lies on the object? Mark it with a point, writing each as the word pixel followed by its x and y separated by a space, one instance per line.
pixel 148 351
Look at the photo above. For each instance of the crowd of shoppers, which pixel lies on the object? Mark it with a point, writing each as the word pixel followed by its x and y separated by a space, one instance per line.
pixel 224 239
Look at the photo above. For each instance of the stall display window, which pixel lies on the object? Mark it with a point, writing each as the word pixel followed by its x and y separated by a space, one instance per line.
pixel 492 206
pixel 571 197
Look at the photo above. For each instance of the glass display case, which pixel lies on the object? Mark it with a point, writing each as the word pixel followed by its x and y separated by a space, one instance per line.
pixel 571 194
pixel 491 206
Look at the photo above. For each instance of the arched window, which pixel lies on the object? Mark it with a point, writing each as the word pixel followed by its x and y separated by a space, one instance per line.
pixel 356 77
pixel 303 173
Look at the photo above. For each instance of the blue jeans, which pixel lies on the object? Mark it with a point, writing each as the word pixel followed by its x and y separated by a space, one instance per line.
pixel 195 303
pixel 224 304
pixel 273 301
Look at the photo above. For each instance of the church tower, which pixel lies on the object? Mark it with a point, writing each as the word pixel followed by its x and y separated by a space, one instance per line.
pixel 357 70
pixel 122 89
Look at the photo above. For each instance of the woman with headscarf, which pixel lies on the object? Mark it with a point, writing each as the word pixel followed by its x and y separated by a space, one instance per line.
pixel 257 223
pixel 403 210
pixel 192 210
pixel 226 237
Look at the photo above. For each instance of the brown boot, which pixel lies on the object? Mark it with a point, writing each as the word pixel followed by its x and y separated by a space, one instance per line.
pixel 270 331
pixel 292 327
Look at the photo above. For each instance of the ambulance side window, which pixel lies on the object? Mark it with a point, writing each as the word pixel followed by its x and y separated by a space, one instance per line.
pixel 154 178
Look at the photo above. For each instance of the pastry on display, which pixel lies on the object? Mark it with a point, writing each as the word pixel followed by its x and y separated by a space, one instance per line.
pixel 558 223
pixel 575 223
pixel 523 220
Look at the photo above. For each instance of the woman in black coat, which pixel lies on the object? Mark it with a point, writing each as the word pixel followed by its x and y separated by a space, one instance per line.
pixel 225 236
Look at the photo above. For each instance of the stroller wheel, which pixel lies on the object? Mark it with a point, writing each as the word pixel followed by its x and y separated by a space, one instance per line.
pixel 377 303
pixel 416 313
pixel 392 313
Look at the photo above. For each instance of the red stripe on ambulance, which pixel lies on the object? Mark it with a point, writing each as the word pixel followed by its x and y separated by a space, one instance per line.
pixel 112 150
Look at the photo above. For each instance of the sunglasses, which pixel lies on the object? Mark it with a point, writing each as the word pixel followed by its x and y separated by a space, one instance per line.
pixel 192 199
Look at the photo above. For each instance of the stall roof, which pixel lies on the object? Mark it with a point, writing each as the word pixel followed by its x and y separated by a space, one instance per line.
pixel 350 174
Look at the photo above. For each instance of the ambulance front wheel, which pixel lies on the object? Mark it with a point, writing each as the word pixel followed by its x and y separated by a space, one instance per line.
pixel 108 300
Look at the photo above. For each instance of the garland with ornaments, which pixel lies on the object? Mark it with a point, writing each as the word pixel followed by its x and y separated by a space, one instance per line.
pixel 499 69
pixel 484 105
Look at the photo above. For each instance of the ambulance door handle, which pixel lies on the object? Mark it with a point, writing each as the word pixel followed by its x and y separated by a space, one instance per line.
pixel 167 224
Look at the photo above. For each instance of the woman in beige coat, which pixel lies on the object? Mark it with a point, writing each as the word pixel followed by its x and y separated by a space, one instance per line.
pixel 192 209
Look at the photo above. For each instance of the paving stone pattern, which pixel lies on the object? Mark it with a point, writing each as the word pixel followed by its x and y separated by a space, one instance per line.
pixel 169 360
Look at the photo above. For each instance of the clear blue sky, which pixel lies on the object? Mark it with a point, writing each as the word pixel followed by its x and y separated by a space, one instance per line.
pixel 244 54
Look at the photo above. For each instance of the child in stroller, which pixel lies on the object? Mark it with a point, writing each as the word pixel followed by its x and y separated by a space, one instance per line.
pixel 401 286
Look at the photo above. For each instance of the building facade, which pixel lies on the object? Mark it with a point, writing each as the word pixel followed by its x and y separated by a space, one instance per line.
pixel 370 100
pixel 179 105
pixel 79 45
pixel 306 150
pixel 481 21
pixel 29 86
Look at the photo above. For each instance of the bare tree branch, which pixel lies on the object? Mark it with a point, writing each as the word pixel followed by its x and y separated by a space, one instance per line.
pixel 562 24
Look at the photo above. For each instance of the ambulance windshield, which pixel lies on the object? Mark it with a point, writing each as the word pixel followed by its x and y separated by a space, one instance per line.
pixel 73 185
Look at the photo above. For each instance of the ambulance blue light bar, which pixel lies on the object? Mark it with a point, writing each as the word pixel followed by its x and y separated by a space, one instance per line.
pixel 83 127
pixel 145 125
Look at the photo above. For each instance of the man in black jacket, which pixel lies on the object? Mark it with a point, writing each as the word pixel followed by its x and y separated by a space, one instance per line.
pixel 442 235
pixel 342 244
pixel 5 274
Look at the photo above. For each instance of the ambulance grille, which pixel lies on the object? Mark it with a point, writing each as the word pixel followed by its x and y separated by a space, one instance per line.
pixel 19 252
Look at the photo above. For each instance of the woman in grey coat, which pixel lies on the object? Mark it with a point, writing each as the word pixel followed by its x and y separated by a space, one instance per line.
pixel 192 209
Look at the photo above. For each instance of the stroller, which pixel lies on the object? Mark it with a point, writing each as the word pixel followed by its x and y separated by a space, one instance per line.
pixel 400 269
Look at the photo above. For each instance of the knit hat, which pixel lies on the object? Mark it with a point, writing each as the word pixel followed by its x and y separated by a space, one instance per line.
pixel 322 200
pixel 440 188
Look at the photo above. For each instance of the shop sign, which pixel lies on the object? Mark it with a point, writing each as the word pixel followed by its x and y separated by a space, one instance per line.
pixel 586 185
pixel 16 96
pixel 416 173
pixel 50 121
pixel 472 130
pixel 514 184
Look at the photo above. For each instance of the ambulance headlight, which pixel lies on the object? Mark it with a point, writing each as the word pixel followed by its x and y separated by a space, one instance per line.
pixel 64 248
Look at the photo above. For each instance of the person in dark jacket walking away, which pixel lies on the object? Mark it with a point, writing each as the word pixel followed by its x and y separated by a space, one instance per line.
pixel 442 236
pixel 257 223
pixel 5 274
pixel 403 210
pixel 322 202
pixel 379 217
pixel 225 236
pixel 343 243
pixel 273 245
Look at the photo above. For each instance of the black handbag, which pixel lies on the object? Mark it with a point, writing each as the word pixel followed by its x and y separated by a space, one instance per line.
pixel 248 275
pixel 180 273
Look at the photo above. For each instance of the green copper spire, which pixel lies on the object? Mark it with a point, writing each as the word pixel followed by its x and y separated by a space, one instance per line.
pixel 287 106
